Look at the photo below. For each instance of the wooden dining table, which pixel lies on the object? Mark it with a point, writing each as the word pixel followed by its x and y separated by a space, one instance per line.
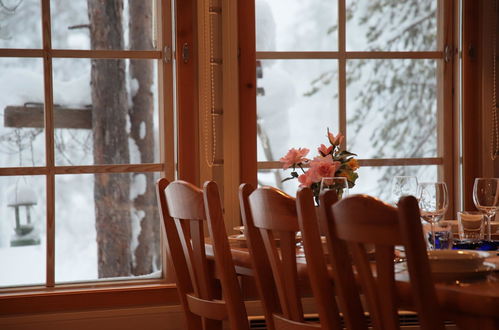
pixel 471 303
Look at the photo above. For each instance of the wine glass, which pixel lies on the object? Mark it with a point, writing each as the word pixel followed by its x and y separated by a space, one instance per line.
pixel 486 198
pixel 339 184
pixel 433 203
pixel 403 185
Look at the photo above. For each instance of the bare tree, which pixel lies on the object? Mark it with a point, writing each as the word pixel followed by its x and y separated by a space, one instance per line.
pixel 142 132
pixel 109 99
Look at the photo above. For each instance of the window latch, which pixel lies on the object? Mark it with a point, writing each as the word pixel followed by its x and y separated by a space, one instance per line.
pixel 185 53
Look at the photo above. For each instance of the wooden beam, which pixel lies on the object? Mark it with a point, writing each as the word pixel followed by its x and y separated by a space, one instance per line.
pixel 247 92
pixel 187 114
pixel 32 116
pixel 471 102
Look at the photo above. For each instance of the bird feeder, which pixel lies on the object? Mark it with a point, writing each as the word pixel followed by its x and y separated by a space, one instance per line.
pixel 23 199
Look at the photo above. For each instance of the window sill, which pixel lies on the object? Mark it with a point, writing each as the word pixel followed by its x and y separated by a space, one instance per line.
pixel 70 298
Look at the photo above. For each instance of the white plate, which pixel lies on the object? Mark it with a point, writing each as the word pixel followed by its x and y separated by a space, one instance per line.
pixel 456 260
pixel 238 238
pixel 493 224
pixel 483 270
pixel 239 228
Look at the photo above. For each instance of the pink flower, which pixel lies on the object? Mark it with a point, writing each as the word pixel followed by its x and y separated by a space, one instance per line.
pixel 335 140
pixel 294 156
pixel 323 167
pixel 324 150
pixel 305 179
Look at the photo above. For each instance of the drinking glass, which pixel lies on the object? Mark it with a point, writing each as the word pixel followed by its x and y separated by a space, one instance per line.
pixel 486 199
pixel 339 184
pixel 470 225
pixel 403 185
pixel 433 203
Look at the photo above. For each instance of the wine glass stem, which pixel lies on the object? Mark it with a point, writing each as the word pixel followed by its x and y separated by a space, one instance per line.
pixel 489 218
pixel 434 242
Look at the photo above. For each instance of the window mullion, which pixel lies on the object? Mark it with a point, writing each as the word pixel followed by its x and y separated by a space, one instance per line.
pixel 49 144
pixel 342 83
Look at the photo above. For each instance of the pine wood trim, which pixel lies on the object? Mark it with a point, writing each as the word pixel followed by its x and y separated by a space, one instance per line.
pixel 247 92
pixel 166 117
pixel 14 52
pixel 76 53
pixel 77 300
pixel 445 102
pixel 82 169
pixel 166 88
pixel 471 103
pixel 49 144
pixel 107 54
pixel 277 55
pixel 187 104
pixel 231 115
pixel 342 72
pixel 456 98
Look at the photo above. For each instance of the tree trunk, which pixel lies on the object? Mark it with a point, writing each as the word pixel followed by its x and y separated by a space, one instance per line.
pixel 110 139
pixel 142 132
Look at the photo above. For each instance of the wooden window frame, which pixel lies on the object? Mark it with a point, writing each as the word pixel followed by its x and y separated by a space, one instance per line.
pixel 447 36
pixel 108 293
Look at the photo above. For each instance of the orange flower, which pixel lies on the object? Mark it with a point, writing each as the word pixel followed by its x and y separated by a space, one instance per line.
pixel 353 164
pixel 343 174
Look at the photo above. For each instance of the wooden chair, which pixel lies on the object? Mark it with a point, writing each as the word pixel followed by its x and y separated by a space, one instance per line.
pixel 359 220
pixel 184 211
pixel 260 263
pixel 316 264
pixel 274 215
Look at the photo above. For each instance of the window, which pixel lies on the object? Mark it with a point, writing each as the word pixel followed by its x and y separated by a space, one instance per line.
pixel 87 115
pixel 377 71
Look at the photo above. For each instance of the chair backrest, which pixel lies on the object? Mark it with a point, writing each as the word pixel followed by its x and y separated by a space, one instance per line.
pixel 316 262
pixel 361 225
pixel 260 263
pixel 185 209
pixel 274 215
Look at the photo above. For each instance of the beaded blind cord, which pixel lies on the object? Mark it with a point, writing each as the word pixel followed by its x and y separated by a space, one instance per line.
pixel 494 135
pixel 209 117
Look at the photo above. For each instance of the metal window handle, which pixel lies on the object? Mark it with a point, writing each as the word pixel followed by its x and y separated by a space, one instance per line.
pixel 185 53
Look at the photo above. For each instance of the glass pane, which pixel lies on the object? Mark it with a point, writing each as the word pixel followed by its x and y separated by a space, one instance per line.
pixel 22 230
pixel 292 25
pixel 392 108
pixel 106 111
pixel 376 181
pixel 22 137
pixel 391 25
pixel 20 24
pixel 112 24
pixel 107 226
pixel 297 101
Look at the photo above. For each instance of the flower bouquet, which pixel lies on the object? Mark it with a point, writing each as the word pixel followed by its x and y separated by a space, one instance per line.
pixel 331 162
